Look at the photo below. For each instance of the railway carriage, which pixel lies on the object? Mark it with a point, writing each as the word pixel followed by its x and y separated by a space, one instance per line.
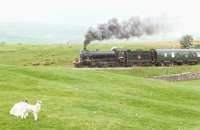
pixel 177 56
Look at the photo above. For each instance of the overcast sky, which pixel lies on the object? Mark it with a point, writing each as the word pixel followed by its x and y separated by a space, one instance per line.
pixel 182 13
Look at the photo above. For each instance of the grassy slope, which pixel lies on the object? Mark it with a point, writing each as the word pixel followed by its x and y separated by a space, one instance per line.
pixel 154 71
pixel 80 99
pixel 60 55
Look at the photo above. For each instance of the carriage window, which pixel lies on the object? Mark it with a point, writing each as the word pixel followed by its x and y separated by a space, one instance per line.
pixel 198 54
pixel 165 54
pixel 173 55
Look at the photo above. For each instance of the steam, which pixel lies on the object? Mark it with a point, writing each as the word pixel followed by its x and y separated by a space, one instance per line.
pixel 134 27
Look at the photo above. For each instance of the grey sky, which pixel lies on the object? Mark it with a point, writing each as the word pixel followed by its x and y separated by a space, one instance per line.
pixel 182 14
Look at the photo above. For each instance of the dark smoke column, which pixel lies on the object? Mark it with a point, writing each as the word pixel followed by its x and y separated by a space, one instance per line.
pixel 85 44
pixel 134 27
pixel 91 35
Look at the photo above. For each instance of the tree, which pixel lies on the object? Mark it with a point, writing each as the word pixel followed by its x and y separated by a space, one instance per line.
pixel 186 41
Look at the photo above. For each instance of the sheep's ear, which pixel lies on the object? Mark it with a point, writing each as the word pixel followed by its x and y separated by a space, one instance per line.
pixel 25 100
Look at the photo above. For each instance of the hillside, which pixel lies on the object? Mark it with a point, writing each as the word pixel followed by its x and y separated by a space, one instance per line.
pixel 60 54
pixel 93 99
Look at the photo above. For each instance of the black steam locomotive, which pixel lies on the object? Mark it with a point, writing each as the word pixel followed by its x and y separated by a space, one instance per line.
pixel 127 58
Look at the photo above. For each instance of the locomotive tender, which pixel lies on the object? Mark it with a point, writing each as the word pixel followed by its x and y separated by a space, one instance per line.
pixel 127 58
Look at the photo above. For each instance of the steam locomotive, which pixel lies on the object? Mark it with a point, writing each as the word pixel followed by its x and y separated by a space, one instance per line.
pixel 118 57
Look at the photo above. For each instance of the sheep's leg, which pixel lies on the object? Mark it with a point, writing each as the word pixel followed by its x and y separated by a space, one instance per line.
pixel 35 116
pixel 26 114
pixel 23 115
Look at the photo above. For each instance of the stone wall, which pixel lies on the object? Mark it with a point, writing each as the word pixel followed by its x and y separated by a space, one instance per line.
pixel 179 77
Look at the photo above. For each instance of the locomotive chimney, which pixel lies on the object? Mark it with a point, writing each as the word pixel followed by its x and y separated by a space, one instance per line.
pixel 85 43
pixel 84 47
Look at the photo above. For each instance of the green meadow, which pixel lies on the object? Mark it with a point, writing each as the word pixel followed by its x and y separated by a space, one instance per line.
pixel 94 99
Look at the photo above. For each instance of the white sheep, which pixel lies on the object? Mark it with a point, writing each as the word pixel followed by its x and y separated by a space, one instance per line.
pixel 21 109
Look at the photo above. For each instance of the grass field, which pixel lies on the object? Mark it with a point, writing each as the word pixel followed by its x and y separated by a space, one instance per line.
pixel 61 55
pixel 93 99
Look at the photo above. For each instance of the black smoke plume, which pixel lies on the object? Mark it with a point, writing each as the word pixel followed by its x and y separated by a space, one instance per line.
pixel 134 27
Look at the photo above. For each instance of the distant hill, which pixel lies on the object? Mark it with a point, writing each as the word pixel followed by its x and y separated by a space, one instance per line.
pixel 41 33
